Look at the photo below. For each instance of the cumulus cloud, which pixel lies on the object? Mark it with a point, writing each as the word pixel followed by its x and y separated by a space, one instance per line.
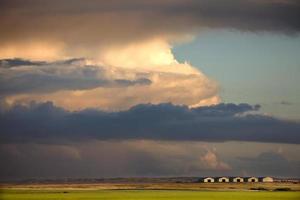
pixel 46 123
pixel 119 78
pixel 124 77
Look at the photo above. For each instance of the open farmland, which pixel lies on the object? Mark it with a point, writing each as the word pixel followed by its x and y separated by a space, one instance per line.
pixel 141 191
pixel 144 195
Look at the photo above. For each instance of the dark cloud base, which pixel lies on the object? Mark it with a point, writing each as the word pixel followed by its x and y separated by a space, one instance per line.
pixel 85 24
pixel 45 77
pixel 46 123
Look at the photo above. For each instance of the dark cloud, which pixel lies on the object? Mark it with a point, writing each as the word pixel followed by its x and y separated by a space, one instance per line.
pixel 269 164
pixel 97 159
pixel 86 23
pixel 19 76
pixel 7 63
pixel 239 14
pixel 143 158
pixel 45 123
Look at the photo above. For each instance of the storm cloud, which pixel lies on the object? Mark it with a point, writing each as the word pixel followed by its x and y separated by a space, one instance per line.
pixel 265 15
pixel 46 123
pixel 108 159
pixel 50 30
pixel 269 163
pixel 145 158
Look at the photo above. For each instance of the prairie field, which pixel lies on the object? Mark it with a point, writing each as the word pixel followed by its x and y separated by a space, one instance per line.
pixel 145 191
pixel 144 195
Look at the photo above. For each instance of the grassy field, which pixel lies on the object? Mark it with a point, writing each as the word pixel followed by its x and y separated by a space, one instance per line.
pixel 26 194
pixel 144 191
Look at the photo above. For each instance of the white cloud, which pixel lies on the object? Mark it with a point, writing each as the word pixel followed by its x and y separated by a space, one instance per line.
pixel 171 81
pixel 211 161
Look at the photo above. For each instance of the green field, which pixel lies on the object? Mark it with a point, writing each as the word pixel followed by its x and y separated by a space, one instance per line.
pixel 143 195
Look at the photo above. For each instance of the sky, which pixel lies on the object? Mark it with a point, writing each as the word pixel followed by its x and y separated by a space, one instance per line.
pixel 250 67
pixel 134 88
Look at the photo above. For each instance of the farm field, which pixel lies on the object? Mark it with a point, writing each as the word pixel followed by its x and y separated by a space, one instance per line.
pixel 145 191
pixel 26 194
